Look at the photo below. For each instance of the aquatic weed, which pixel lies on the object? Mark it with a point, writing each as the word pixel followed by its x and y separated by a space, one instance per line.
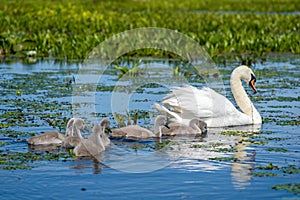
pixel 277 149
pixel 290 187
pixel 20 160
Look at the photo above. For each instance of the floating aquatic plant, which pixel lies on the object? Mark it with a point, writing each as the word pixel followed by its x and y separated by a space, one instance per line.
pixel 269 166
pixel 19 160
pixel 290 187
pixel 265 174
pixel 233 159
pixel 291 169
pixel 276 149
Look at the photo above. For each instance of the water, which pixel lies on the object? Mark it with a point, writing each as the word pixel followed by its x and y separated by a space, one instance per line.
pixel 38 97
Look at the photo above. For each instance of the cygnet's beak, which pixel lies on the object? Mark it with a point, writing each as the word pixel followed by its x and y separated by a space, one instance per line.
pixel 166 125
pixel 168 121
pixel 108 129
pixel 204 131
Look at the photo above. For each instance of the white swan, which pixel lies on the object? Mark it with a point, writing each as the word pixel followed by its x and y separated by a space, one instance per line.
pixel 213 108
pixel 138 132
pixel 94 144
pixel 196 127
pixel 55 138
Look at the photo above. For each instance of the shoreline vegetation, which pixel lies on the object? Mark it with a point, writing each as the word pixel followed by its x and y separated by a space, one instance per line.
pixel 70 29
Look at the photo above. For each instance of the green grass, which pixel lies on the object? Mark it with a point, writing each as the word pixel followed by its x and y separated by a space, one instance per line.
pixel 71 29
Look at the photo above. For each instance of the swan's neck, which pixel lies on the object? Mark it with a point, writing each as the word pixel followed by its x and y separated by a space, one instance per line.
pixel 105 138
pixel 156 129
pixel 98 140
pixel 242 99
pixel 160 132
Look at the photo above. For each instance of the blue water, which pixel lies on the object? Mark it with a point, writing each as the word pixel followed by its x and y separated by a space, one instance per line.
pixel 125 173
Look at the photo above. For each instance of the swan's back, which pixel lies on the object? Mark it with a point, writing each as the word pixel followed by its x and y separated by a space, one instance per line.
pixel 87 148
pixel 91 146
pixel 47 138
pixel 188 102
pixel 71 142
pixel 132 131
pixel 215 109
pixel 178 129
pixel 196 126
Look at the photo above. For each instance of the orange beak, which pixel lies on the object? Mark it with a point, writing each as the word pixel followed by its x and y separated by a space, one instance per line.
pixel 252 82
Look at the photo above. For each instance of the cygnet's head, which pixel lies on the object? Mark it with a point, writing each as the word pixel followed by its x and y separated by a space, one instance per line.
pixel 203 126
pixel 79 123
pixel 105 124
pixel 198 123
pixel 161 120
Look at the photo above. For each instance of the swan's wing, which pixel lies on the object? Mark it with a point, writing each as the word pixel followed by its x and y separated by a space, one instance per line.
pixel 47 138
pixel 132 131
pixel 163 110
pixel 189 102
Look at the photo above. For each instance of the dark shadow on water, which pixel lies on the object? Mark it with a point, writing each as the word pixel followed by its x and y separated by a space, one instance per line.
pixel 43 148
pixel 88 163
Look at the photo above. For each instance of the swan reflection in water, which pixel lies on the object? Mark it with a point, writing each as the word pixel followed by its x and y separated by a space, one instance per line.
pixel 186 153
pixel 81 164
pixel 196 156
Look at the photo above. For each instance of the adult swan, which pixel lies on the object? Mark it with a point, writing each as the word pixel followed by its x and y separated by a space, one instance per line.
pixel 216 110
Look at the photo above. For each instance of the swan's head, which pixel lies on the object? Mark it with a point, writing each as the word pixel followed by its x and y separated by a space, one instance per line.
pixel 79 123
pixel 105 124
pixel 161 120
pixel 246 74
pixel 199 124
pixel 203 127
